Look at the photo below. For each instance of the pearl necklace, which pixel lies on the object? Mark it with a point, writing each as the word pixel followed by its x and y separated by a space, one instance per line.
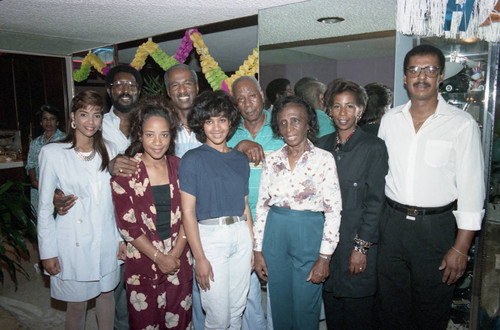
pixel 83 157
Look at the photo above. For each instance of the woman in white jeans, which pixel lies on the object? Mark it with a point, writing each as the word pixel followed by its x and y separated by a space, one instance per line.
pixel 214 192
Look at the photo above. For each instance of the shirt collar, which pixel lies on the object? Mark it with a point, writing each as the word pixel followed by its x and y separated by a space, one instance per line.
pixel 442 107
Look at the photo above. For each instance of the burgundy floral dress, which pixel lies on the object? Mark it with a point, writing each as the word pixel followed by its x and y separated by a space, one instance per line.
pixel 155 300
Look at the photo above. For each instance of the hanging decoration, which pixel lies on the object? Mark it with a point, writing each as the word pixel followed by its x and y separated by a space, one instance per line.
pixel 466 19
pixel 90 60
pixel 192 38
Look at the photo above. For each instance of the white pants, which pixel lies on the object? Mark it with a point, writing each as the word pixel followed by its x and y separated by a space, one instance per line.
pixel 228 248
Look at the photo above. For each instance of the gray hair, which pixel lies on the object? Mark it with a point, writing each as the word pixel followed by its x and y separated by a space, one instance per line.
pixel 251 78
pixel 311 92
pixel 181 66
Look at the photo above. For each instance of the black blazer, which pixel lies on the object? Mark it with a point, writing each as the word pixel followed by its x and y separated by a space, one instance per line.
pixel 362 164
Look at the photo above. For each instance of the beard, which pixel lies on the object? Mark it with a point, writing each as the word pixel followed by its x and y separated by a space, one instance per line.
pixel 124 108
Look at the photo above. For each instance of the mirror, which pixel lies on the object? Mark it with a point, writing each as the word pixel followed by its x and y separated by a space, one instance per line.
pixel 293 44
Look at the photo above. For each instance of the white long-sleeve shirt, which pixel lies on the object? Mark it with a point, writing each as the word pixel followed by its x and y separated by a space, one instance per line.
pixel 440 163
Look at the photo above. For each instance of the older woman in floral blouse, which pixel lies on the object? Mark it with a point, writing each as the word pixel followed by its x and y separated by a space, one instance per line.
pixel 297 217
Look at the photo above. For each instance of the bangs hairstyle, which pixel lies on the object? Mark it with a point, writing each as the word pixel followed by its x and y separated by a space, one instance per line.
pixel 422 50
pixel 312 117
pixel 82 100
pixel 339 86
pixel 213 104
pixel 147 107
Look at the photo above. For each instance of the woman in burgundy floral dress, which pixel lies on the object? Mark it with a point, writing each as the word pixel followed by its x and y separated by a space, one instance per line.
pixel 158 268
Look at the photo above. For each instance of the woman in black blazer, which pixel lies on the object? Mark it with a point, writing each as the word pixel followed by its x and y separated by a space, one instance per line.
pixel 361 159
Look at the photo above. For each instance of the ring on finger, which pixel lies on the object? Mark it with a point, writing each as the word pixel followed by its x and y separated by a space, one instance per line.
pixel 120 170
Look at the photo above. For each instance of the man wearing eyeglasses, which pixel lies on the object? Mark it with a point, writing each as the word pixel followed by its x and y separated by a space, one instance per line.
pixel 435 195
pixel 123 84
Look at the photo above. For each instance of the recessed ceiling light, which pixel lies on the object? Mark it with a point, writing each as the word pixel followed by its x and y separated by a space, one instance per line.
pixel 330 20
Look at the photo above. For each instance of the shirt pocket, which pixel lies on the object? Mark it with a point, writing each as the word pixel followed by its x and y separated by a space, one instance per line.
pixel 437 152
pixel 352 194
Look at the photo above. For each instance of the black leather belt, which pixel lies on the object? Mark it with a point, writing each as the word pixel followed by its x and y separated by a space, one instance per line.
pixel 414 211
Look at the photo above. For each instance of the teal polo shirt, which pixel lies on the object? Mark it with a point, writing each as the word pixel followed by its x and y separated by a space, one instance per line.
pixel 325 124
pixel 268 142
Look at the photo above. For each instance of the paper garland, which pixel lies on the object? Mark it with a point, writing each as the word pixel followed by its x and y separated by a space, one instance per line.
pixel 90 60
pixel 210 68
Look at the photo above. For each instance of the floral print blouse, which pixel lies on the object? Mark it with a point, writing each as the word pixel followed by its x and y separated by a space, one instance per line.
pixel 313 185
pixel 35 147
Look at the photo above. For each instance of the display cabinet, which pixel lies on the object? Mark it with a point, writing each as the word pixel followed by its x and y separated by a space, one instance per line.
pixel 470 83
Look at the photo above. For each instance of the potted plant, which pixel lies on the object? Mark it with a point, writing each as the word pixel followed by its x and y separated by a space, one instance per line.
pixel 17 225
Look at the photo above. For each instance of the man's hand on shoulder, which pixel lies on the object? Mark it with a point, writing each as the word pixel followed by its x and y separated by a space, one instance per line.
pixel 253 150
pixel 123 166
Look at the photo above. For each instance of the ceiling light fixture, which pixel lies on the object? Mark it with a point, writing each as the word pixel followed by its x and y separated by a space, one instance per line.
pixel 330 20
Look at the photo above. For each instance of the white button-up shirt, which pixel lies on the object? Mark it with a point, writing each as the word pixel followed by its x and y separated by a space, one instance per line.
pixel 111 131
pixel 440 163
pixel 185 141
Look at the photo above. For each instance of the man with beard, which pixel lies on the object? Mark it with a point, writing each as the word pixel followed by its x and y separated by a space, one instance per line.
pixel 434 185
pixel 123 84
pixel 181 83
pixel 255 138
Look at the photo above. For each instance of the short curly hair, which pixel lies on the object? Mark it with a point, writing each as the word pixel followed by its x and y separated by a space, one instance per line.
pixel 151 106
pixel 213 104
pixel 339 86
pixel 312 117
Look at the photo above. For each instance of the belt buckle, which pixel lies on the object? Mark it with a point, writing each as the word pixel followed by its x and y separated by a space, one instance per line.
pixel 229 220
pixel 411 213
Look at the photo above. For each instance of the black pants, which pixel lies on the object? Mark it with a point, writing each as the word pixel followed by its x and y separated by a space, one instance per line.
pixel 348 313
pixel 411 292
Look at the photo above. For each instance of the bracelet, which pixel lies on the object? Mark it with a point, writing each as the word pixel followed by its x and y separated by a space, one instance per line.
pixel 325 257
pixel 454 248
pixel 360 249
pixel 155 255
pixel 362 243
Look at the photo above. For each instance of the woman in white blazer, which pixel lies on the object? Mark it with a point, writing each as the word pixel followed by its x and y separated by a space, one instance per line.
pixel 80 249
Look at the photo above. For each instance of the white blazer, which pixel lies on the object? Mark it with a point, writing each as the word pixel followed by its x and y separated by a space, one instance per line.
pixel 85 239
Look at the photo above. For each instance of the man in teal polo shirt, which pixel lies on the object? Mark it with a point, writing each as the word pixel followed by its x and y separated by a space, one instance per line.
pixel 254 137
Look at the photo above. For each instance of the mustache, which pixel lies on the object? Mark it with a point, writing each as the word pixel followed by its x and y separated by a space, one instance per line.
pixel 421 83
pixel 182 94
pixel 125 95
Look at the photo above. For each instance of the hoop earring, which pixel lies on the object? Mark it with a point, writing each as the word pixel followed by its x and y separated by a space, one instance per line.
pixel 73 124
pixel 100 128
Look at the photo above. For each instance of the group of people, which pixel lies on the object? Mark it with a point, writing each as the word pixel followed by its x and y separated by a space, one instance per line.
pixel 203 195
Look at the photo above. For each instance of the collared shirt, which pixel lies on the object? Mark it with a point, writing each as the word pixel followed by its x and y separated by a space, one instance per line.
pixel 268 142
pixel 112 133
pixel 35 147
pixel 312 185
pixel 185 141
pixel 440 163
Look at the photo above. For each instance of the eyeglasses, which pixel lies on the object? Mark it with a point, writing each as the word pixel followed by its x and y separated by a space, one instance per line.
pixel 430 71
pixel 120 85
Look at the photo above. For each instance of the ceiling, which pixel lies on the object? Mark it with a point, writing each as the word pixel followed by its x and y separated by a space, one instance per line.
pixel 289 32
